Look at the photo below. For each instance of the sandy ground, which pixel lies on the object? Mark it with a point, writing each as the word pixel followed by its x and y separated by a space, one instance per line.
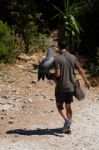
pixel 29 119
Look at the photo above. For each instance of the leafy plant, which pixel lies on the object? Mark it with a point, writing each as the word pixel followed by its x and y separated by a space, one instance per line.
pixel 40 42
pixel 7 43
pixel 95 66
pixel 71 27
pixel 28 33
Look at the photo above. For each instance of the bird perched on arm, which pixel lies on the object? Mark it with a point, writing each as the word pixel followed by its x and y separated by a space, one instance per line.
pixel 46 65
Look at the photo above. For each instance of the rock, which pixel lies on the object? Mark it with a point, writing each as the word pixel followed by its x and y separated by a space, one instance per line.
pixel 52 99
pixel 52 111
pixel 2 118
pixel 24 57
pixel 10 122
pixel 94 83
pixel 44 96
pixel 5 96
pixel 3 110
pixel 33 57
pixel 30 100
pixel 34 82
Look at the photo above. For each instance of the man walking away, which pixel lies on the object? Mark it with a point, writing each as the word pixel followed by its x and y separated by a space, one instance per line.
pixel 64 65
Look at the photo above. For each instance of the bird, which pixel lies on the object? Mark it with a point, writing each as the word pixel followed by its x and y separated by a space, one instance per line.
pixel 45 65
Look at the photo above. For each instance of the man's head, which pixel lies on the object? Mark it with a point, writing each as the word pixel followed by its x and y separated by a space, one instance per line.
pixel 62 43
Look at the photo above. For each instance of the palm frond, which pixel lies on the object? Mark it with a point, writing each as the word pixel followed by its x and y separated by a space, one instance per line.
pixel 58 9
pixel 74 23
pixel 57 15
pixel 66 6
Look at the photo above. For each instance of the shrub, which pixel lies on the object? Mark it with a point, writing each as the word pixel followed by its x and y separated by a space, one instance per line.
pixel 7 43
pixel 32 39
pixel 95 66
pixel 40 42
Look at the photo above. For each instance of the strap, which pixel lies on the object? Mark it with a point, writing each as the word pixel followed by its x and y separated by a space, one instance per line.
pixel 70 64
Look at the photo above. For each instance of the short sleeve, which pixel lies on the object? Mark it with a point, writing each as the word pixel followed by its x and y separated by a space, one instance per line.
pixel 77 65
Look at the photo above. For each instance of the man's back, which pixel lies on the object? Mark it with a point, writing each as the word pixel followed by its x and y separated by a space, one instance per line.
pixel 67 63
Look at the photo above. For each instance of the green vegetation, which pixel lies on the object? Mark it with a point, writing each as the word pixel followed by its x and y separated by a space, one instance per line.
pixel 7 43
pixel 40 42
pixel 31 24
pixel 70 27
pixel 94 68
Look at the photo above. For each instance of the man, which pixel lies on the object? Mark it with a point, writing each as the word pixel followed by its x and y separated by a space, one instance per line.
pixel 64 66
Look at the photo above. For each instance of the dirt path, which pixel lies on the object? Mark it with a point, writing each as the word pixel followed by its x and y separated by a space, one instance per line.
pixel 29 119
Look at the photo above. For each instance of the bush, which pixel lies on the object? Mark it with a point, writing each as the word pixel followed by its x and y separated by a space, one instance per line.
pixel 7 43
pixel 32 39
pixel 95 66
pixel 28 32
pixel 40 42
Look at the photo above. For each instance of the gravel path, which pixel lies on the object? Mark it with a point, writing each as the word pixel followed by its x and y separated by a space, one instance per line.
pixel 85 132
pixel 29 119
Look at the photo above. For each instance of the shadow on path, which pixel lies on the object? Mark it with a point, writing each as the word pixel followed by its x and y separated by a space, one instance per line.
pixel 55 132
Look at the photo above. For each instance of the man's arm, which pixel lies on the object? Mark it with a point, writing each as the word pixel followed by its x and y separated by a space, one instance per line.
pixel 56 68
pixel 81 71
pixel 57 73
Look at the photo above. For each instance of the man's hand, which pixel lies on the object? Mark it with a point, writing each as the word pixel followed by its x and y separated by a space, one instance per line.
pixel 81 71
pixel 87 85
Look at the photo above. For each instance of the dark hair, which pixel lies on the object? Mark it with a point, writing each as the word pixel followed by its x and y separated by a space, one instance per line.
pixel 62 43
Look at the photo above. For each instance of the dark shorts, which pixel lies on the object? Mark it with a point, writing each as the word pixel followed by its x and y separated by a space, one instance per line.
pixel 62 97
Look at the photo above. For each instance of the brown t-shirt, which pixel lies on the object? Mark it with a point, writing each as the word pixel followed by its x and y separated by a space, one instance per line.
pixel 67 63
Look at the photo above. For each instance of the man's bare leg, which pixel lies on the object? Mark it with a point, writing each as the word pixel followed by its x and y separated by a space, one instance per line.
pixel 63 113
pixel 68 111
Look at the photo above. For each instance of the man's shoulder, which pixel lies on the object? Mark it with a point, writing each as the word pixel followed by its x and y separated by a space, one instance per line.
pixel 71 56
pixel 57 56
